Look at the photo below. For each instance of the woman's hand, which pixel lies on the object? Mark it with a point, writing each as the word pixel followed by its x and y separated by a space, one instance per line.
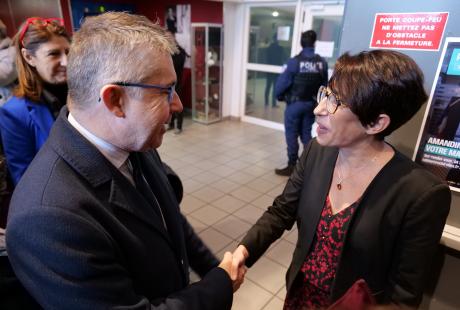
pixel 227 265
pixel 238 267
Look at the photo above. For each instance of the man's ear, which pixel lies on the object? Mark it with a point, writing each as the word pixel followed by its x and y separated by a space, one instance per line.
pixel 28 57
pixel 112 97
pixel 380 124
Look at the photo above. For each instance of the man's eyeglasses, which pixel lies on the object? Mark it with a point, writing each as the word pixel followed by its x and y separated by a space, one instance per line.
pixel 170 90
pixel 332 100
pixel 41 21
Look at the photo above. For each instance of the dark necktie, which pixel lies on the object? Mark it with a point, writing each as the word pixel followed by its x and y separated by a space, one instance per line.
pixel 143 187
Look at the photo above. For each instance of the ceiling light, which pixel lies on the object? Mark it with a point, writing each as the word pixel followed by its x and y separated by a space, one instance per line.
pixel 275 13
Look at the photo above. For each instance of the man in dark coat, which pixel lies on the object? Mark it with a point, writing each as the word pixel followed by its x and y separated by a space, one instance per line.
pixel 94 222
pixel 178 62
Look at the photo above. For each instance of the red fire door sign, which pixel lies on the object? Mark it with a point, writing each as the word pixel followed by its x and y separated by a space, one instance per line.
pixel 414 31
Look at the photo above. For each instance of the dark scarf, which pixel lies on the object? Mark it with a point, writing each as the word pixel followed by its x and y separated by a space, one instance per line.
pixel 54 96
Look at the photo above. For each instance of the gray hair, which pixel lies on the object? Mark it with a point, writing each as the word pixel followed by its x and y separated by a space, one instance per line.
pixel 113 47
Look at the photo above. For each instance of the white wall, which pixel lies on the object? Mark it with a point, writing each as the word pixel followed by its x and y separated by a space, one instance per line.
pixel 233 54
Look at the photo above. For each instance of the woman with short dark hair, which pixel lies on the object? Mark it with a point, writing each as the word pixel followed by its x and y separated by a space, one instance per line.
pixel 363 210
pixel 41 45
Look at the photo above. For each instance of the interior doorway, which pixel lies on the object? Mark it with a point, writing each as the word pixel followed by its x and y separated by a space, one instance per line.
pixel 278 28
pixel 326 21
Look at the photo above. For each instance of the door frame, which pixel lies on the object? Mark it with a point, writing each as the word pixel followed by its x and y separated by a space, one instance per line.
pixel 261 67
pixel 303 14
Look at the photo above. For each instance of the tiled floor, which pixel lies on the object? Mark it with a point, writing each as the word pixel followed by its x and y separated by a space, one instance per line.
pixel 227 170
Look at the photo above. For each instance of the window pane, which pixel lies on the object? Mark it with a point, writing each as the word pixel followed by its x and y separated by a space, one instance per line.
pixel 328 29
pixel 270 35
pixel 213 60
pixel 260 100
pixel 200 73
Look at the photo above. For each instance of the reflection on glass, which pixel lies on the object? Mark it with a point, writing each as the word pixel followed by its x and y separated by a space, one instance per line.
pixel 328 29
pixel 199 59
pixel 214 73
pixel 270 37
pixel 206 74
pixel 260 97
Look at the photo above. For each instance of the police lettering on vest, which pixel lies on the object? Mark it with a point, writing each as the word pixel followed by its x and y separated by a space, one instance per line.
pixel 309 67
pixel 308 80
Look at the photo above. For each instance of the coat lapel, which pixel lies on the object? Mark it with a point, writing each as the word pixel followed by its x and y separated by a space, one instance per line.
pixel 91 165
pixel 317 179
pixel 311 206
pixel 123 195
pixel 158 181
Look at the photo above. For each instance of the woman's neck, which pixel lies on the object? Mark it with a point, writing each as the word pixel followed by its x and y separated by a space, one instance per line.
pixel 364 151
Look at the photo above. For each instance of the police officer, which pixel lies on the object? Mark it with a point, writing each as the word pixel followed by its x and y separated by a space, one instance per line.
pixel 298 85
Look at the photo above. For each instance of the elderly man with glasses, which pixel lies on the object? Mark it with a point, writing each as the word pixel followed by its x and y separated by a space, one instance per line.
pixel 94 222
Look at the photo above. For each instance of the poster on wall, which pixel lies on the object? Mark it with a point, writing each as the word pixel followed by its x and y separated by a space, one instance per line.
pixel 438 144
pixel 178 20
pixel 409 31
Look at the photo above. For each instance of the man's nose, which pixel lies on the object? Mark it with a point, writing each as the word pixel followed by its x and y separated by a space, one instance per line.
pixel 176 104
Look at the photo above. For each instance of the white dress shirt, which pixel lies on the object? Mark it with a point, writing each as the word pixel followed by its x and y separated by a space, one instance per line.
pixel 116 156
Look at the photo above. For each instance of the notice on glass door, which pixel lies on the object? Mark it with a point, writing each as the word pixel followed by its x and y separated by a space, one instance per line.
pixel 283 33
pixel 324 48
pixel 411 31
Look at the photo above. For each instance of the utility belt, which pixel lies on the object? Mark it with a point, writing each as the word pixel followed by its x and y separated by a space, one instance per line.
pixel 290 99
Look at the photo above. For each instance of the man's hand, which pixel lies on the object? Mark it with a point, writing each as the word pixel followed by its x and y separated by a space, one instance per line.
pixel 226 264
pixel 238 269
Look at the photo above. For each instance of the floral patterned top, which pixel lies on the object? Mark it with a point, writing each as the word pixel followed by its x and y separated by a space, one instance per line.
pixel 318 270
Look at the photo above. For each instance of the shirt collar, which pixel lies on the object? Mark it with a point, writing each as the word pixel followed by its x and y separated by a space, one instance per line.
pixel 308 50
pixel 114 154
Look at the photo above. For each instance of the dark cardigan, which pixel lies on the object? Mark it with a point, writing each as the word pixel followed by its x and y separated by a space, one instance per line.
pixel 391 239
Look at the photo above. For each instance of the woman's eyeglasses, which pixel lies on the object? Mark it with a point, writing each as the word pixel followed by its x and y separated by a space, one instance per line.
pixel 332 100
pixel 43 21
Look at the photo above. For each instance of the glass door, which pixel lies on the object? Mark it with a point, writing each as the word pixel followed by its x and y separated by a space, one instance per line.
pixel 273 37
pixel 206 72
pixel 326 21
pixel 271 31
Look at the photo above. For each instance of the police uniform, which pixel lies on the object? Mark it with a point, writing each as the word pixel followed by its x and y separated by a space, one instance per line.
pixel 298 85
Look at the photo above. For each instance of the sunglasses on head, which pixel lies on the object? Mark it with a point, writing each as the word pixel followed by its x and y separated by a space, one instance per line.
pixel 43 21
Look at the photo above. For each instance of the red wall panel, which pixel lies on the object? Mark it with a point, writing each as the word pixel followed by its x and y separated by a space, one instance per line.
pixel 14 12
pixel 66 15
pixel 23 9
pixel 202 11
pixel 7 18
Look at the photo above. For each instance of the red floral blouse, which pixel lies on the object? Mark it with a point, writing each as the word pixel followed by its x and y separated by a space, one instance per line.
pixel 319 267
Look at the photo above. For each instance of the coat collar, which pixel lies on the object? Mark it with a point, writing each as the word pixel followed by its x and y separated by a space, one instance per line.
pixel 91 165
pixel 78 152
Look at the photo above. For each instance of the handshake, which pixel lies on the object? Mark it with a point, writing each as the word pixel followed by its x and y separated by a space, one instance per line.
pixel 233 264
